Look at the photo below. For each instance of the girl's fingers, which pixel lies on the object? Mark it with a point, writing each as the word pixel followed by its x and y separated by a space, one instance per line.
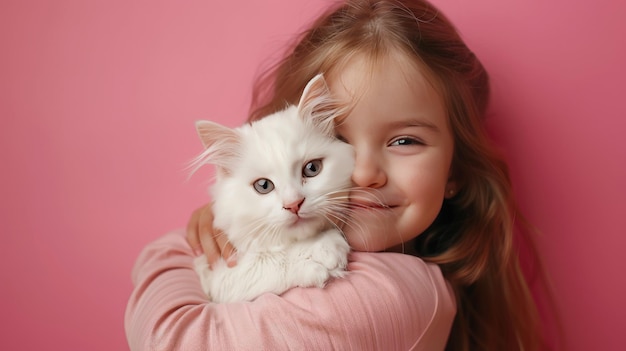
pixel 203 238
pixel 226 248
pixel 206 234
pixel 193 237
pixel 209 247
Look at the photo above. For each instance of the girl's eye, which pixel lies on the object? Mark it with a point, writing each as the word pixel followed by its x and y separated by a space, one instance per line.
pixel 263 186
pixel 312 168
pixel 406 141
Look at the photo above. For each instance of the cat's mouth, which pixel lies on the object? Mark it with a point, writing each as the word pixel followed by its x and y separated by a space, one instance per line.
pixel 297 220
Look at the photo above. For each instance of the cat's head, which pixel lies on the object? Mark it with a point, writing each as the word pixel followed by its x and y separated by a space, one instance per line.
pixel 281 178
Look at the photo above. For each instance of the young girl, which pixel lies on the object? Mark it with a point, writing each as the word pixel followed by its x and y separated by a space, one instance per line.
pixel 417 96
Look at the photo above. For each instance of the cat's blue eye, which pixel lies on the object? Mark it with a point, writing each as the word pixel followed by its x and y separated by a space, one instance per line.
pixel 312 168
pixel 263 186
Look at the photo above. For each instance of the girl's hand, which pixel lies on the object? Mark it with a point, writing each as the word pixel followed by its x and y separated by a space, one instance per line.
pixel 203 238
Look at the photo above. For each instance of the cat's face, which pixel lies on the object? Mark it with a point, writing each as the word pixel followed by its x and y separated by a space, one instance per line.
pixel 289 180
pixel 282 178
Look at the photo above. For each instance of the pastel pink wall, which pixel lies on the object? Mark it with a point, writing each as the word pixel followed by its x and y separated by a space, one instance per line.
pixel 98 99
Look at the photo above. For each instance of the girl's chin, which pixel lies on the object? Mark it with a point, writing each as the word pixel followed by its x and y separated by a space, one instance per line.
pixel 372 230
pixel 365 242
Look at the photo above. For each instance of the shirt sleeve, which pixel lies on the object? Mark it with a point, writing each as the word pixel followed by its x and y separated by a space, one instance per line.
pixel 388 301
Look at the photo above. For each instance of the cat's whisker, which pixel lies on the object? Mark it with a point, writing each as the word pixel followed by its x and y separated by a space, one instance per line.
pixel 377 214
pixel 368 195
pixel 357 228
pixel 336 220
pixel 346 204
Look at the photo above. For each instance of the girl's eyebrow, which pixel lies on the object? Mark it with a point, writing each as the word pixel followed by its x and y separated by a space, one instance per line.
pixel 413 122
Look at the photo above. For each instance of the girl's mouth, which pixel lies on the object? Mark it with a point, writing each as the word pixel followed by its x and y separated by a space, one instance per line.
pixel 368 205
pixel 367 200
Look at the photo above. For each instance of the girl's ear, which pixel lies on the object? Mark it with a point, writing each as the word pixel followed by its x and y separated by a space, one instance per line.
pixel 452 188
pixel 222 145
pixel 317 105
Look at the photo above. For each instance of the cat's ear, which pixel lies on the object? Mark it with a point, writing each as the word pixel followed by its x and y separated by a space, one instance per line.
pixel 211 133
pixel 317 105
pixel 220 142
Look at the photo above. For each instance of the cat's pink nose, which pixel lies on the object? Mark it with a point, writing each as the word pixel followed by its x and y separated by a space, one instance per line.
pixel 294 206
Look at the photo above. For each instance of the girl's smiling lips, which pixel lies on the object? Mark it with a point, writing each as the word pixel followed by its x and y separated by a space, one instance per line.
pixel 360 203
pixel 372 200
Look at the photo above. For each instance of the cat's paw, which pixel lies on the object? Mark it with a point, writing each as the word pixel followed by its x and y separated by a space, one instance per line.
pixel 319 259
pixel 310 273
pixel 331 251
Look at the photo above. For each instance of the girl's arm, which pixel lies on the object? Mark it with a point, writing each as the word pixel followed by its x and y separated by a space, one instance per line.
pixel 388 301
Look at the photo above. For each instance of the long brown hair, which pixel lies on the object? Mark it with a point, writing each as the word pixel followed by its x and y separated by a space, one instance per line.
pixel 472 239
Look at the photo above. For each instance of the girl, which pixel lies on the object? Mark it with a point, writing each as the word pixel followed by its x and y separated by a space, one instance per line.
pixel 417 96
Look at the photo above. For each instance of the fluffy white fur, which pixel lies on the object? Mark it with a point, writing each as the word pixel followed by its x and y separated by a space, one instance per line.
pixel 286 237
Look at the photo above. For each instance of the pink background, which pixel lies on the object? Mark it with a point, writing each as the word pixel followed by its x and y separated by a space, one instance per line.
pixel 98 100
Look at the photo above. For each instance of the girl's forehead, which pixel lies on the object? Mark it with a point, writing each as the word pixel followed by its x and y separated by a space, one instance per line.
pixel 358 72
pixel 388 90
pixel 361 74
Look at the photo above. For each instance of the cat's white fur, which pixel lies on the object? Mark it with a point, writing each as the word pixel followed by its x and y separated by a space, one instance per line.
pixel 278 247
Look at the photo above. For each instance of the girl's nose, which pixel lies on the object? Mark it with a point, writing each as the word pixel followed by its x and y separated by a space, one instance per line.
pixel 368 172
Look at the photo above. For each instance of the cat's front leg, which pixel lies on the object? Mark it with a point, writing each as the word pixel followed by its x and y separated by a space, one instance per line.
pixel 331 250
pixel 317 259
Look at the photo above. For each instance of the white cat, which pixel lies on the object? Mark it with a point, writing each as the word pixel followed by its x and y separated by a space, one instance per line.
pixel 281 185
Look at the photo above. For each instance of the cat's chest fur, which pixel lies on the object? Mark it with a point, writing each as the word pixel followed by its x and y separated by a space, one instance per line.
pixel 281 190
pixel 307 263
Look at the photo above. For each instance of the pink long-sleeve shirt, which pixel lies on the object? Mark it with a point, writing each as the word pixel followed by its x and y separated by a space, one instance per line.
pixel 388 301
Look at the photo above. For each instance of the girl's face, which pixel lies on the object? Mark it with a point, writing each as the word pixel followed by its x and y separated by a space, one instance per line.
pixel 399 129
